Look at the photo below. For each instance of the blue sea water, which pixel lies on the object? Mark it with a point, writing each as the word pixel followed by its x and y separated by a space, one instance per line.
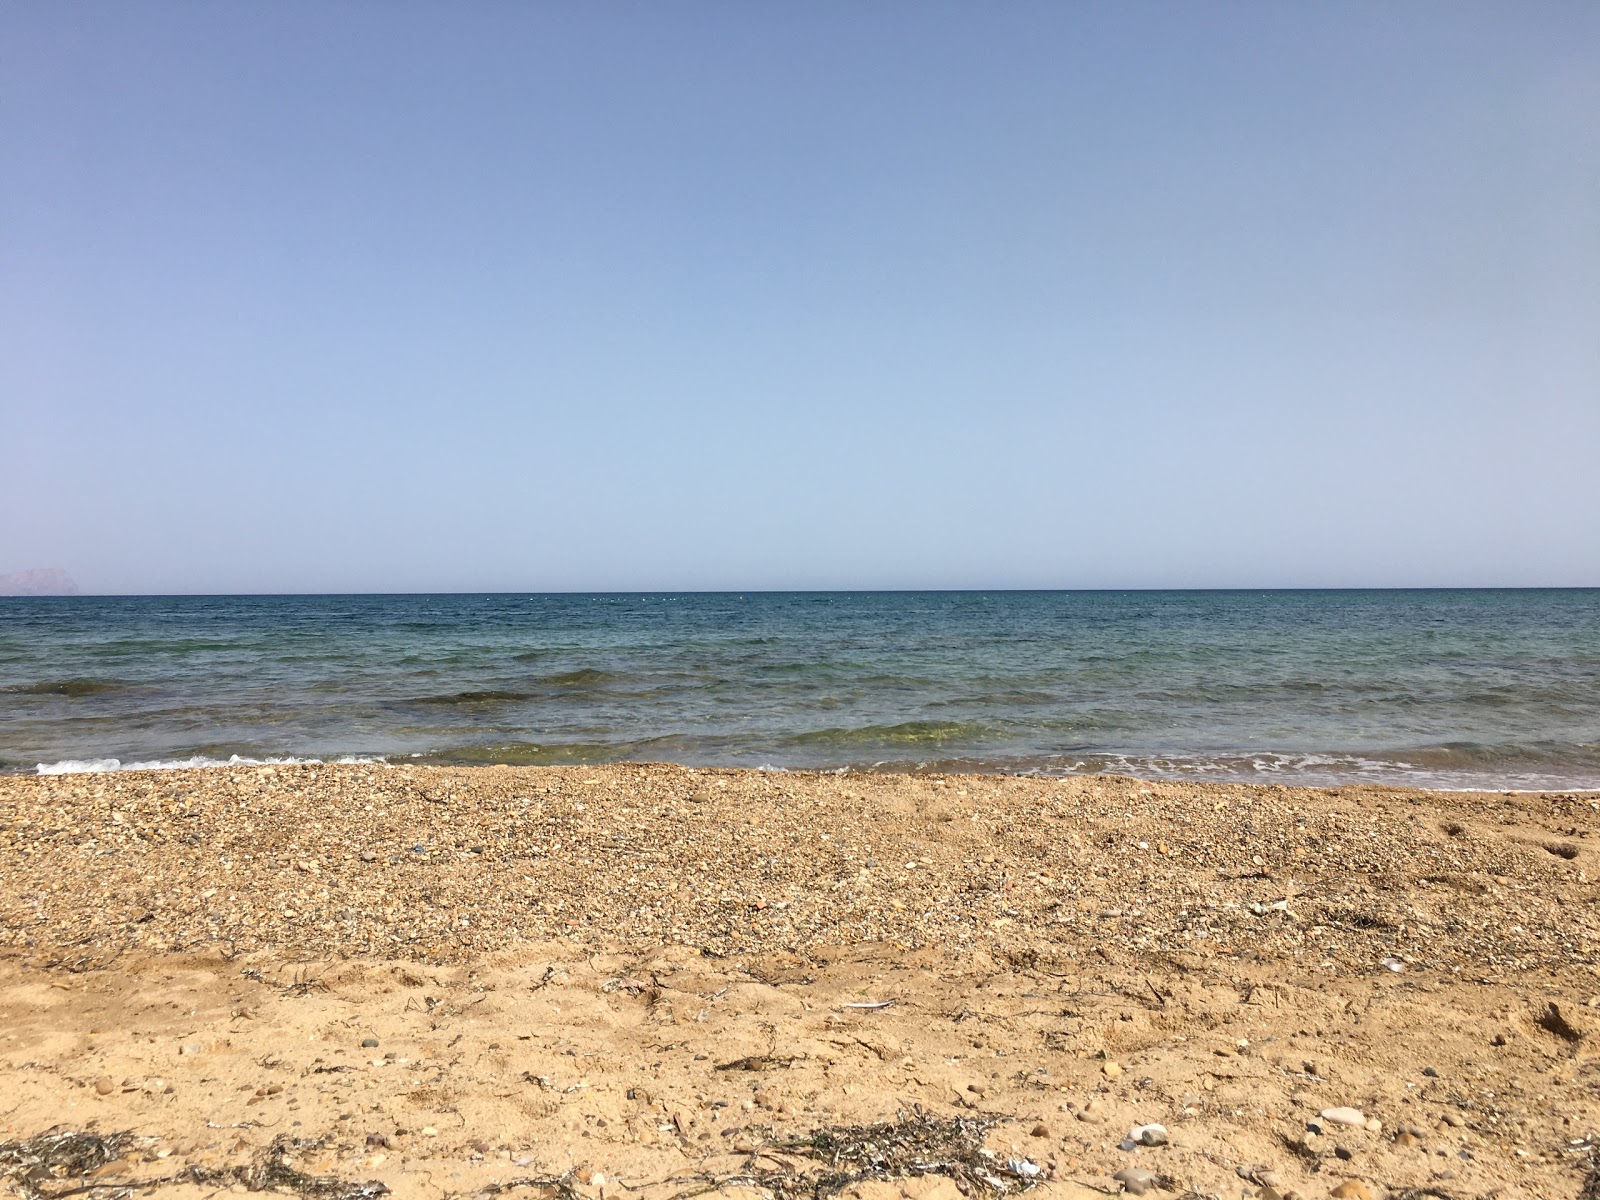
pixel 1484 689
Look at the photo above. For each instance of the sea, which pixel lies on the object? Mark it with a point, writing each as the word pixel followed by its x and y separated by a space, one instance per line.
pixel 1480 689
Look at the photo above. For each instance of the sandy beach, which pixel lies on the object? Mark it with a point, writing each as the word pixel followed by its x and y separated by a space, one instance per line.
pixel 651 980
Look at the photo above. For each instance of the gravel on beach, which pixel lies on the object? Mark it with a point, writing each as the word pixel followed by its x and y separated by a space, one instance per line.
pixel 441 863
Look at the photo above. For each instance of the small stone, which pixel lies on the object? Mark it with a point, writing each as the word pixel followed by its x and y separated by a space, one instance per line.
pixel 1040 1130
pixel 429 1131
pixel 1343 1153
pixel 189 1048
pixel 1351 1189
pixel 1148 1135
pixel 977 1089
pixel 104 1086
pixel 1136 1181
pixel 1344 1116
pixel 369 1043
pixel 1430 1072
pixel 1267 1179
pixel 1374 1125
pixel 1454 1120
pixel 1407 1139
pixel 1112 1069
pixel 378 1140
pixel 1091 1118
pixel 584 1175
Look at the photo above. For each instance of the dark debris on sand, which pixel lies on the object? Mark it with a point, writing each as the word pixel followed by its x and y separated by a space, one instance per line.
pixel 57 1163
pixel 913 1145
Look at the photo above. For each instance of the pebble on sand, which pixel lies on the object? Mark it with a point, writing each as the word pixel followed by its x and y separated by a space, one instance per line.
pixel 1148 1135
pixel 1344 1116
pixel 1136 1181
pixel 1351 1189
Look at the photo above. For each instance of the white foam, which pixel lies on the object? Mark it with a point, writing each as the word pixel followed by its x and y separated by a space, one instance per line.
pixel 1312 769
pixel 80 766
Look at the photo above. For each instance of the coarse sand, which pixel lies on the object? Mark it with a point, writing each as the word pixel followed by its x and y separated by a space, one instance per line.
pixel 647 979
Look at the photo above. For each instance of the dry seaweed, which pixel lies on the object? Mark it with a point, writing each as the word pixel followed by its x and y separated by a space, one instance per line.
pixel 58 1154
pixel 270 1170
pixel 71 1154
pixel 555 1187
pixel 913 1145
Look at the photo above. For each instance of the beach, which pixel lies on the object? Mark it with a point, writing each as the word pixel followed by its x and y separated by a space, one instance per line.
pixel 656 980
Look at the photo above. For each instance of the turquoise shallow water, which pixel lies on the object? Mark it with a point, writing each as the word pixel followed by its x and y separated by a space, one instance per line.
pixel 1431 688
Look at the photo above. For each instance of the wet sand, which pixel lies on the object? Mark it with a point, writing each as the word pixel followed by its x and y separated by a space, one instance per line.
pixel 651 979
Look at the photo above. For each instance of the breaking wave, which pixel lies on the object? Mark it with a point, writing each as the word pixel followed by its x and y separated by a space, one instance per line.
pixel 83 766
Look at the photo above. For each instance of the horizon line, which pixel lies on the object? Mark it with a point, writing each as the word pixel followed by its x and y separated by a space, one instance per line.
pixel 811 591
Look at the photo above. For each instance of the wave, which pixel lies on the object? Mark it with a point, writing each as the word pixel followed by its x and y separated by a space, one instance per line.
pixel 82 766
pixel 587 677
pixel 551 687
pixel 485 697
pixel 908 733
pixel 530 754
pixel 1019 696
pixel 1463 767
pixel 66 687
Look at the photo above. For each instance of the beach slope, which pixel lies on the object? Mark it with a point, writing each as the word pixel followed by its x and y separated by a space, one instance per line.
pixel 650 979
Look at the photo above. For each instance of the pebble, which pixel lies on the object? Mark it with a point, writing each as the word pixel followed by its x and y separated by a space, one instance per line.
pixel 1136 1181
pixel 1454 1120
pixel 1344 1116
pixel 369 1043
pixel 104 1086
pixel 1112 1069
pixel 1040 1130
pixel 1406 1138
pixel 1148 1135
pixel 1351 1189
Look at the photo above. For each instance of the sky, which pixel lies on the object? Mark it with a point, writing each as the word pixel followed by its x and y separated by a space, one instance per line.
pixel 703 295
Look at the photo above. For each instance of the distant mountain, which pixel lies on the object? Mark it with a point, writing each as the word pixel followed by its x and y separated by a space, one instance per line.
pixel 41 581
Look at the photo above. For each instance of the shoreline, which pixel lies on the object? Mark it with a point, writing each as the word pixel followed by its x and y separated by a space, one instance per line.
pixel 110 766
pixel 557 964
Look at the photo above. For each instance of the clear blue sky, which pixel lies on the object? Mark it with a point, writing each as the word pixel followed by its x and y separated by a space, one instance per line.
pixel 546 296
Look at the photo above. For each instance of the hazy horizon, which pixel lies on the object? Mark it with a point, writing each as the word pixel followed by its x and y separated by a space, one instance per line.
pixel 413 299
